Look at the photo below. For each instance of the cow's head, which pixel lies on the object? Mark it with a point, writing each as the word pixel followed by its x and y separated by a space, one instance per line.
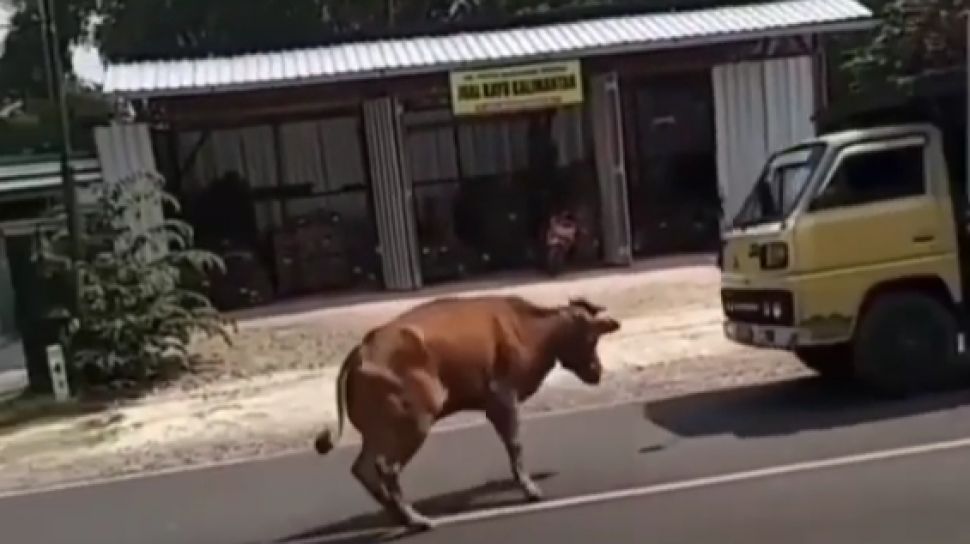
pixel 585 325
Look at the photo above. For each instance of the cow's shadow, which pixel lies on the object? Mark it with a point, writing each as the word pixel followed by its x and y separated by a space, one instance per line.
pixel 377 527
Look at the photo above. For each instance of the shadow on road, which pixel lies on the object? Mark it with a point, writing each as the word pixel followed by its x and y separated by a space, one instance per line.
pixel 369 527
pixel 786 408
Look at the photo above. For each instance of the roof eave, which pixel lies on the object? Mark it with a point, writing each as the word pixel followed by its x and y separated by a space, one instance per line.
pixel 846 26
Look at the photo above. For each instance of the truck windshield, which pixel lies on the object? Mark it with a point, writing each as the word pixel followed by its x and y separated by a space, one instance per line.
pixel 780 185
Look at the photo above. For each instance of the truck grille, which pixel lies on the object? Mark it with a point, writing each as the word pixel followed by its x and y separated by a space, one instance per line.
pixel 758 306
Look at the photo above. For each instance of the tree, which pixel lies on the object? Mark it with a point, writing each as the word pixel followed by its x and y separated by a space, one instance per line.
pixel 913 38
pixel 21 67
pixel 139 29
pixel 138 311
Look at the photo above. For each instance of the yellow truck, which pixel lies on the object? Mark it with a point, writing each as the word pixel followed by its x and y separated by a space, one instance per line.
pixel 848 253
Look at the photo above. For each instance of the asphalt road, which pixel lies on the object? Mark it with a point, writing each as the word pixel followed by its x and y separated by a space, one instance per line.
pixel 303 499
pixel 902 501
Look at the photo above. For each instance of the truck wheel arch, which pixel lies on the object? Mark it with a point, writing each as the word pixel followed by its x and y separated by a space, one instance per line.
pixel 903 369
pixel 930 285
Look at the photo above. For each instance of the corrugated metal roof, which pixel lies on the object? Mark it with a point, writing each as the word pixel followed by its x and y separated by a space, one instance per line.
pixel 366 60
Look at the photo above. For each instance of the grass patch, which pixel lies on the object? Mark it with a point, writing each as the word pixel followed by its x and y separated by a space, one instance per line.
pixel 27 408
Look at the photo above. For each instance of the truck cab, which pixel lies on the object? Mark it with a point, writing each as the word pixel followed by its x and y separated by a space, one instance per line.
pixel 847 253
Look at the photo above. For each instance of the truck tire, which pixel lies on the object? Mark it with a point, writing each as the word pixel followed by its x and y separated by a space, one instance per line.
pixel 906 344
pixel 830 362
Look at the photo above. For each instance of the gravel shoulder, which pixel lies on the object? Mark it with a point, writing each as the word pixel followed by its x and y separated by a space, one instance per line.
pixel 272 390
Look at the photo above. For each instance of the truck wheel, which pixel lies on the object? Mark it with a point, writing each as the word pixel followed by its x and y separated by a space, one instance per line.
pixel 906 344
pixel 829 362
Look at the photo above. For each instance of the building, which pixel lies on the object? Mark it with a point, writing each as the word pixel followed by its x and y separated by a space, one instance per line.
pixel 406 161
pixel 30 187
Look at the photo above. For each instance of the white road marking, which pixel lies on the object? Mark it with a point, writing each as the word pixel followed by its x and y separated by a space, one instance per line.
pixel 709 481
pixel 672 487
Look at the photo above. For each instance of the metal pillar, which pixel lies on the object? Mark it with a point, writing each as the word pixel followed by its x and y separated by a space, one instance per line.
pixel 393 197
pixel 607 122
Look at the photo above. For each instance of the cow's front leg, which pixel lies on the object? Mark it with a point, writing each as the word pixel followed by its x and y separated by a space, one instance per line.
pixel 503 412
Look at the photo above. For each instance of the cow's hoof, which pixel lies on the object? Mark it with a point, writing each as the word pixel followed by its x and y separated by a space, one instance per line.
pixel 532 492
pixel 418 522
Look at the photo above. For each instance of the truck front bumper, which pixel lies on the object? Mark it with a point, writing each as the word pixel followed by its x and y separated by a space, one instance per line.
pixel 762 336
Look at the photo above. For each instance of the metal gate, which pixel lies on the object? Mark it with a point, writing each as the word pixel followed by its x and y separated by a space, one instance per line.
pixel 607 123
pixel 391 183
pixel 760 107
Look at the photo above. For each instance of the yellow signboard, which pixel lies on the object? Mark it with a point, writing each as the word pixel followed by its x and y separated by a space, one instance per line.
pixel 515 88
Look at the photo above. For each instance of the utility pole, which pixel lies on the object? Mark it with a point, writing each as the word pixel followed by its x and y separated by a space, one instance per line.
pixel 54 68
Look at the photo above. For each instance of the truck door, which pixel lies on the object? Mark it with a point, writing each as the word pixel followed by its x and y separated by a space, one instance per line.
pixel 876 210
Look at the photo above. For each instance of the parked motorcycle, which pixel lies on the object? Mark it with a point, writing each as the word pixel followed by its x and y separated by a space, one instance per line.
pixel 560 240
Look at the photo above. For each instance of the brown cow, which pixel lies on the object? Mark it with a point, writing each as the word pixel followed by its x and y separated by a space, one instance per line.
pixel 450 355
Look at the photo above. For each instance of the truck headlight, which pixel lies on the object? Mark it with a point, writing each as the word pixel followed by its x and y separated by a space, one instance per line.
pixel 774 256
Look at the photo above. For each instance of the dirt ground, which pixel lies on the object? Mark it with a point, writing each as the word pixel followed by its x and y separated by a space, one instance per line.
pixel 272 390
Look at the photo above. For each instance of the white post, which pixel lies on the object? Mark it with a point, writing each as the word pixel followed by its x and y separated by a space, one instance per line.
pixel 58 369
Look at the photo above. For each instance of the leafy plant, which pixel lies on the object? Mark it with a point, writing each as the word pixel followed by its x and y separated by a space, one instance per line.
pixel 913 37
pixel 136 314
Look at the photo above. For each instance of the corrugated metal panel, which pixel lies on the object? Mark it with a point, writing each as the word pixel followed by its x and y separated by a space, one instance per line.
pixel 392 196
pixel 739 104
pixel 606 117
pixel 365 60
pixel 327 153
pixel 487 148
pixel 125 152
pixel 790 100
pixel 761 107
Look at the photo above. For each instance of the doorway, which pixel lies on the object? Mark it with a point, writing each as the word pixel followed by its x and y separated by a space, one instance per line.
pixel 484 187
pixel 674 199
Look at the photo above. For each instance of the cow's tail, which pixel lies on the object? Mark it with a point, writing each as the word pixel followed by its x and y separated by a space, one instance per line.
pixel 327 439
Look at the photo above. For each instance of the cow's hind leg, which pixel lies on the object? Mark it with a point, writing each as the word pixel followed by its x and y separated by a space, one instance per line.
pixel 400 447
pixel 503 413
pixel 365 469
pixel 400 508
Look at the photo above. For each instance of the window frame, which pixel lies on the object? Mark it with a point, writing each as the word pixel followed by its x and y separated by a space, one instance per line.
pixel 864 148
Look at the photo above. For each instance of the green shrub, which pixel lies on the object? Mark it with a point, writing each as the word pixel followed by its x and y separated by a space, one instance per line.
pixel 137 313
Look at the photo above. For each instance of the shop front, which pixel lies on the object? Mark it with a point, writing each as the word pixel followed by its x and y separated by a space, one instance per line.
pixel 492 156
pixel 699 124
pixel 285 200
pixel 414 161
pixel 674 199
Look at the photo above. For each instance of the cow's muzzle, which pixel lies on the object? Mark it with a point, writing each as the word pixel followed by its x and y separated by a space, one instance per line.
pixel 593 374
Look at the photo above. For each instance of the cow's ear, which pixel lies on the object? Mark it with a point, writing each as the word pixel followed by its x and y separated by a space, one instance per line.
pixel 593 309
pixel 606 325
